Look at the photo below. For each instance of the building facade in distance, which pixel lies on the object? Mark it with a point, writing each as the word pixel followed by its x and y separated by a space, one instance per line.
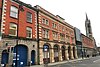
pixel 87 45
pixel 78 39
pixel 88 40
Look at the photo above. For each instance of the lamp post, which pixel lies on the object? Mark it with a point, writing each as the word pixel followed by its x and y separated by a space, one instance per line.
pixel 82 51
pixel 46 54
pixel 20 8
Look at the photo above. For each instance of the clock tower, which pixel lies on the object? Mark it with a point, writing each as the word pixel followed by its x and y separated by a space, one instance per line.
pixel 88 27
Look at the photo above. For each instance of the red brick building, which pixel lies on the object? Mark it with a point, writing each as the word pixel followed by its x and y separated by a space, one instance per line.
pixel 56 38
pixel 88 45
pixel 18 29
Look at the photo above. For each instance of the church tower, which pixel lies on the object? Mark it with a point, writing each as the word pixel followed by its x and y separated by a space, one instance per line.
pixel 88 27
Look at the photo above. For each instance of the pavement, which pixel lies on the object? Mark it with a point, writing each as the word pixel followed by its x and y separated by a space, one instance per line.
pixel 56 63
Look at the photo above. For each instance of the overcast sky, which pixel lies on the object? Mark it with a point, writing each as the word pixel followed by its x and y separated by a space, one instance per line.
pixel 73 11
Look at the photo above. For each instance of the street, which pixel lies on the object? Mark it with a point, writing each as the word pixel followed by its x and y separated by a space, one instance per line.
pixel 91 62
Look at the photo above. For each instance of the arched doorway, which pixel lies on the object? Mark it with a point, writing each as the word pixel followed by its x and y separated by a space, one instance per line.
pixel 22 52
pixel 74 52
pixel 32 57
pixel 63 53
pixel 46 53
pixel 56 53
pixel 5 57
pixel 69 52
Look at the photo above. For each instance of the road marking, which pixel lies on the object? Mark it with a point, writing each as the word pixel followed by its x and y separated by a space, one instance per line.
pixel 96 60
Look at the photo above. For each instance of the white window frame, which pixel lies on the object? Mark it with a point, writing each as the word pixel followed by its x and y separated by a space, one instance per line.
pixel 14 12
pixel 28 31
pixel 54 25
pixel 45 21
pixel 55 35
pixel 11 27
pixel 45 33
pixel 29 17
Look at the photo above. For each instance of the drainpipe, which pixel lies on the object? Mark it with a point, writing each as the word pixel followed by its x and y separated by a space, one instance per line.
pixel 1 18
pixel 0 25
pixel 38 58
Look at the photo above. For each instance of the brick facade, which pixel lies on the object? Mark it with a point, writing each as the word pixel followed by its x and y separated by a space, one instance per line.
pixel 20 40
pixel 88 45
pixel 87 42
pixel 63 28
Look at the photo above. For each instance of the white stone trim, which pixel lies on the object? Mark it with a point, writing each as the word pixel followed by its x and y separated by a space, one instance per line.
pixel 5 11
pixel 5 1
pixel 5 7
pixel 35 24
pixel 40 32
pixel 39 17
pixel 2 31
pixel 3 24
pixel 39 22
pixel 3 28
pixel 3 15
pixel 40 37
pixel 39 29
pixel 5 4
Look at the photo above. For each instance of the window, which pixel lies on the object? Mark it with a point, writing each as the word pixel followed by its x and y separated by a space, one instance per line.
pixel 67 38
pixel 72 40
pixel 54 25
pixel 44 21
pixel 55 35
pixel 62 37
pixel 47 23
pixel 13 29
pixel 29 17
pixel 63 29
pixel 45 33
pixel 29 32
pixel 14 12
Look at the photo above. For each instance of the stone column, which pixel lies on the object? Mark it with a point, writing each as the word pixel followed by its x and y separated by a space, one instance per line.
pixel 66 53
pixel 52 55
pixel 51 52
pixel 41 55
pixel 76 56
pixel 10 58
pixel 60 54
pixel 72 56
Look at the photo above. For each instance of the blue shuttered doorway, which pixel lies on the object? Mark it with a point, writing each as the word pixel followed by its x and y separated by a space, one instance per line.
pixel 33 57
pixel 22 52
pixel 5 57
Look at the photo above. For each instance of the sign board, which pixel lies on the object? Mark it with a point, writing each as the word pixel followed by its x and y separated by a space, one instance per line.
pixel 45 48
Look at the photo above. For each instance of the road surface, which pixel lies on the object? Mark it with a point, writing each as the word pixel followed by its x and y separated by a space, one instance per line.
pixel 91 62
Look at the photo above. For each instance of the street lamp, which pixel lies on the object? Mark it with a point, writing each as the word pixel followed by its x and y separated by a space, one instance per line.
pixel 82 51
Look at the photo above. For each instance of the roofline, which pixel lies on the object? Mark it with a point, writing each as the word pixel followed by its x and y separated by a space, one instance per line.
pixel 52 16
pixel 24 4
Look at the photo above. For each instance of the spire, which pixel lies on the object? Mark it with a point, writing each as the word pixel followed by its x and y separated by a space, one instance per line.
pixel 86 16
pixel 88 27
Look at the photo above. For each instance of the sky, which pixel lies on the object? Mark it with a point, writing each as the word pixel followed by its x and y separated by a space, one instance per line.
pixel 73 11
